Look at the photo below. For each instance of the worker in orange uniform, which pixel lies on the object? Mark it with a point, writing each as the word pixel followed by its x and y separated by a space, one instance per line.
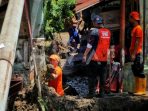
pixel 55 79
pixel 98 46
pixel 136 53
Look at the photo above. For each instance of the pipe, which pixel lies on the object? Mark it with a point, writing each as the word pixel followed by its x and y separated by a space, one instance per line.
pixel 122 32
pixel 9 38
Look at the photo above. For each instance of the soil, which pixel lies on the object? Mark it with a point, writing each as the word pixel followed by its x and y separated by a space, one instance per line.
pixel 114 102
pixel 24 101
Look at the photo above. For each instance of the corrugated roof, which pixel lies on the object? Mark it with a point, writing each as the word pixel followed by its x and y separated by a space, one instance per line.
pixel 84 4
pixel 80 1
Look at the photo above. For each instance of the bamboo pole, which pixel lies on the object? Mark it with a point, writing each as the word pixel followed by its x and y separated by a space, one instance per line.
pixel 9 38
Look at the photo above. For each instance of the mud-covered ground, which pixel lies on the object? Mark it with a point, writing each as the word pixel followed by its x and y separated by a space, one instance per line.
pixel 115 102
pixel 25 100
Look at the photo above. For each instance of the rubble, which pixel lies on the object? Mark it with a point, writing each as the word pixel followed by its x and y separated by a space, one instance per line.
pixel 25 100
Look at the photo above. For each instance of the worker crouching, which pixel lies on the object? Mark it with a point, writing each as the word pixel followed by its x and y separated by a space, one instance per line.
pixel 55 74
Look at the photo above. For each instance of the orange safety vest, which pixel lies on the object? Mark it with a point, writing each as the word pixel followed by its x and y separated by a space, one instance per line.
pixel 101 52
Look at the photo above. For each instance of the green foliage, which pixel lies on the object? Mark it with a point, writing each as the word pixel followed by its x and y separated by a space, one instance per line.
pixel 56 12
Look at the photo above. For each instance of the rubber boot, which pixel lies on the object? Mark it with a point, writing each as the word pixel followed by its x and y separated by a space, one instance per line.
pixel 102 93
pixel 136 85
pixel 140 86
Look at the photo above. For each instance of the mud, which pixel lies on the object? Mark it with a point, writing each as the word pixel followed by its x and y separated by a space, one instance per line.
pixel 24 101
pixel 116 102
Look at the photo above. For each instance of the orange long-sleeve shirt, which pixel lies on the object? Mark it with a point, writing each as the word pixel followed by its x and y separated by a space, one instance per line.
pixel 57 83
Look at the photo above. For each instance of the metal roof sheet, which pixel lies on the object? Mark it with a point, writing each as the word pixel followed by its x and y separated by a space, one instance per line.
pixel 84 4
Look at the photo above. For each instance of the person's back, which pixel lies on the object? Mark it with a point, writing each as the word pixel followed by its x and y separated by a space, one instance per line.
pixel 99 43
pixel 103 45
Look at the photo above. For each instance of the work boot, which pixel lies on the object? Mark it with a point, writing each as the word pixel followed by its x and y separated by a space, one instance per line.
pixel 101 93
pixel 140 86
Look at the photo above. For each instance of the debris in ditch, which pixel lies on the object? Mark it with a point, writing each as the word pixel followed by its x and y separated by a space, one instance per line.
pixel 25 100
pixel 80 84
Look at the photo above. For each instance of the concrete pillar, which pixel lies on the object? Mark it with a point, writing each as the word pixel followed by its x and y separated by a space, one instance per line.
pixel 9 38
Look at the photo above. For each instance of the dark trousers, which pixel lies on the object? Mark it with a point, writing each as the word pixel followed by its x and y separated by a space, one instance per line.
pixel 74 35
pixel 97 70
pixel 138 66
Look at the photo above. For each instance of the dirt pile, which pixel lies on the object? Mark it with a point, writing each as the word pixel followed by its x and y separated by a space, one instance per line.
pixel 116 102
pixel 24 101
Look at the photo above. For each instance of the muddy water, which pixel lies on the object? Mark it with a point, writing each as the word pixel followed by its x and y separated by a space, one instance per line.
pixel 80 84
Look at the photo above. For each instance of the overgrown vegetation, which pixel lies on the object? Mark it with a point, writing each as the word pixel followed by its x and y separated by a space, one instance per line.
pixel 56 12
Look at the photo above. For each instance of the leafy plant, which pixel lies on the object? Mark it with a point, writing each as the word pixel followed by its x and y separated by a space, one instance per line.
pixel 56 12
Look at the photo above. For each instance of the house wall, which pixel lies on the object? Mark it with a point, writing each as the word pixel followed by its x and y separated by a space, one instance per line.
pixel 36 14
pixel 110 13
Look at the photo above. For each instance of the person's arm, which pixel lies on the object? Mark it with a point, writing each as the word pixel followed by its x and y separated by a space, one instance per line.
pixel 133 54
pixel 89 46
pixel 74 21
pixel 90 43
pixel 139 34
pixel 52 72
pixel 53 75
pixel 56 73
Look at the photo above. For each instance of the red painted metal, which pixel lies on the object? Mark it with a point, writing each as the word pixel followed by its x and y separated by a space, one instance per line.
pixel 28 22
pixel 122 30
